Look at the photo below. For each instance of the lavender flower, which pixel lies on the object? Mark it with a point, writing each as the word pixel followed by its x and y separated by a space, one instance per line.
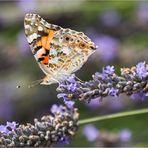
pixel 139 96
pixel 69 104
pixel 94 104
pixel 106 138
pixel 109 70
pixel 31 5
pixel 141 70
pixel 108 47
pixel 91 132
pixel 142 12
pixel 113 92
pixel 60 126
pixel 11 126
pixel 8 128
pixel 110 18
pixel 3 129
pixel 98 74
pixel 64 140
pixel 108 83
pixel 125 135
pixel 22 44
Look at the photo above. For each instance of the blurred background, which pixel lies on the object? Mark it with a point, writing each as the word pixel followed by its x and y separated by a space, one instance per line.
pixel 120 29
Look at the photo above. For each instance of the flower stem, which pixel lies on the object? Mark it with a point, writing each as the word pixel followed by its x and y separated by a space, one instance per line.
pixel 116 115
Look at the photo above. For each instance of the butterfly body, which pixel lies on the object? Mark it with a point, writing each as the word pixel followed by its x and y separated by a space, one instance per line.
pixel 58 51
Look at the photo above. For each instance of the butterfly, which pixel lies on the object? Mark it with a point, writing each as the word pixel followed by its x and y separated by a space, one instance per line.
pixel 59 52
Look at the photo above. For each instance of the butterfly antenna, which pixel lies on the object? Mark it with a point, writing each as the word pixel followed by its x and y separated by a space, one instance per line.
pixel 34 83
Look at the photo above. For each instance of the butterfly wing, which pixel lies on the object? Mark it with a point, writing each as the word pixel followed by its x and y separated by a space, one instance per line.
pixel 39 34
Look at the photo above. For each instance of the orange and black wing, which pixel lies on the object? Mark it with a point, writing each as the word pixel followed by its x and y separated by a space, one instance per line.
pixel 39 34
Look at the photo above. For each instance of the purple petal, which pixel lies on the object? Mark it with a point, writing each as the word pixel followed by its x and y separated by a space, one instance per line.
pixel 71 79
pixel 61 95
pixel 125 135
pixel 141 69
pixel 3 129
pixel 91 132
pixel 68 103
pixel 109 70
pixel 54 108
pixel 101 75
pixel 113 92
pixel 64 140
pixel 72 87
pixel 12 125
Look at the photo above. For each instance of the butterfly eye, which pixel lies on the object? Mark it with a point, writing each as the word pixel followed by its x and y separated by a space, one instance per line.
pixel 82 45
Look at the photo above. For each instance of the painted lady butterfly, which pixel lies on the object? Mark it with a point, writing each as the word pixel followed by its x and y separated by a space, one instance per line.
pixel 58 51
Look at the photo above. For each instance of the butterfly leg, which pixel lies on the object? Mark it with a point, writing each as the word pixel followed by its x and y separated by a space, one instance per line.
pixel 56 81
pixel 49 80
pixel 79 79
pixel 68 75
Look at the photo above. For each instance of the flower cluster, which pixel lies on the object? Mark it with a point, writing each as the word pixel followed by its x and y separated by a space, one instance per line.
pixel 60 126
pixel 107 83
pixel 106 138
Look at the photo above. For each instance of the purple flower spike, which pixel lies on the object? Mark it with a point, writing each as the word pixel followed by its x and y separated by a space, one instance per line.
pixel 141 69
pixel 91 132
pixel 109 70
pixel 108 83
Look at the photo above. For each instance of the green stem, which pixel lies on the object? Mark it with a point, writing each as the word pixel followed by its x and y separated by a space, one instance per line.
pixel 116 115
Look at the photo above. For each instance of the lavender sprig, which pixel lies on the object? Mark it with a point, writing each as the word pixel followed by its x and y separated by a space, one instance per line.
pixel 60 126
pixel 107 83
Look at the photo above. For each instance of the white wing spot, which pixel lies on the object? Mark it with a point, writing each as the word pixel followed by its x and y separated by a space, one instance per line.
pixel 54 60
pixel 32 37
pixel 40 28
pixel 27 26
pixel 66 50
pixel 53 52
